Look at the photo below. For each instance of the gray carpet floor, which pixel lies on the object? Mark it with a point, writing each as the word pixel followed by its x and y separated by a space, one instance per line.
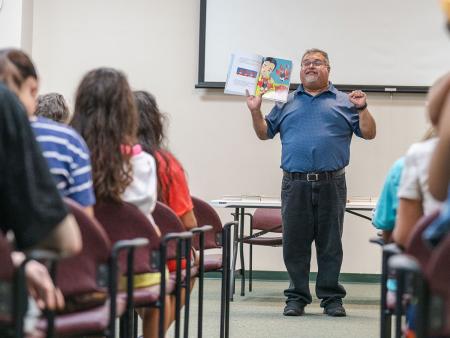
pixel 259 314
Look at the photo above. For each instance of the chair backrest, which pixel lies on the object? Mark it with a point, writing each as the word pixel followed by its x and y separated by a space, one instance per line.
pixel 125 221
pixel 206 215
pixel 6 264
pixel 267 219
pixel 87 271
pixel 6 281
pixel 416 246
pixel 167 221
pixel 438 276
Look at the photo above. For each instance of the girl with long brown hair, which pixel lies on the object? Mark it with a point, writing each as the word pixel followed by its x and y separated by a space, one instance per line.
pixel 106 116
pixel 173 188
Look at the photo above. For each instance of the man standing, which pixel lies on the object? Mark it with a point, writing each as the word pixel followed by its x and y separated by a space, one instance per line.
pixel 316 125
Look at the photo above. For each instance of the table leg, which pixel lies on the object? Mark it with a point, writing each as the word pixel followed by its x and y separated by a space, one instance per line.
pixel 350 211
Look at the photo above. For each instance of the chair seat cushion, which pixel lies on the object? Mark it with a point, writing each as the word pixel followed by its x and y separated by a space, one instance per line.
pixel 267 241
pixel 194 273
pixel 88 300
pixel 267 219
pixel 82 322
pixel 149 295
pixel 213 262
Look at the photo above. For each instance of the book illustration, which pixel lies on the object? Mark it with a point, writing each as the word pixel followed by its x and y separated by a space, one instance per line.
pixel 242 73
pixel 247 72
pixel 284 73
pixel 268 77
pixel 274 79
pixel 265 81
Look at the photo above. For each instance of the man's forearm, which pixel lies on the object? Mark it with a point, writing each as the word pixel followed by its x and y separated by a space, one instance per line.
pixel 260 125
pixel 65 238
pixel 367 124
pixel 438 94
pixel 439 172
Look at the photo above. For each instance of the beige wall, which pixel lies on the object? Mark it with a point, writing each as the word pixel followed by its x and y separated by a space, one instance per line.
pixel 27 25
pixel 156 44
pixel 16 21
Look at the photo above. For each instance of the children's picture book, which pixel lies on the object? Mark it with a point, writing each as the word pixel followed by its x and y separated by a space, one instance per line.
pixel 268 77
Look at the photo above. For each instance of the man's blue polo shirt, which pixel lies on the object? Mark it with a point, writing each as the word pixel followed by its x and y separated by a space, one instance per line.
pixel 315 131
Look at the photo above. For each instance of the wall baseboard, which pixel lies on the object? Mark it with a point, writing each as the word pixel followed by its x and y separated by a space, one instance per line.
pixel 367 278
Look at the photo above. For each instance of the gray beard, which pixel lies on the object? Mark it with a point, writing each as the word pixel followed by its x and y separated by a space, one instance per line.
pixel 311 78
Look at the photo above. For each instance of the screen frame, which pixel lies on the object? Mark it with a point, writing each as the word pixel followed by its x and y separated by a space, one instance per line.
pixel 202 84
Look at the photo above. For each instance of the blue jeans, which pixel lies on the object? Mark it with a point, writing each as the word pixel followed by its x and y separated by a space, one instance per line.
pixel 313 211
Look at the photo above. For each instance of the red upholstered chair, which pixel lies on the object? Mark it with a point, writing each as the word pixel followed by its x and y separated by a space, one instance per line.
pixel 430 287
pixel 218 238
pixel 13 294
pixel 124 220
pixel 437 274
pixel 408 269
pixel 206 215
pixel 13 290
pixel 264 220
pixel 201 239
pixel 89 282
pixel 386 312
pixel 416 246
pixel 169 224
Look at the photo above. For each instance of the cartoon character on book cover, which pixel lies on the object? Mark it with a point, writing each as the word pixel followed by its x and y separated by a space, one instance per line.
pixel 273 80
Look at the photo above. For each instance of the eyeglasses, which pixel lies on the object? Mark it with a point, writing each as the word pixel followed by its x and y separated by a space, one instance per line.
pixel 315 63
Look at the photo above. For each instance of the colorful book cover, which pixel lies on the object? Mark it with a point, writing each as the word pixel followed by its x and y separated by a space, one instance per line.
pixel 268 77
pixel 274 79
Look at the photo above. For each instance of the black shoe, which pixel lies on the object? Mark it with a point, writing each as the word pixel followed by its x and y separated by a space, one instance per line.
pixel 335 310
pixel 293 310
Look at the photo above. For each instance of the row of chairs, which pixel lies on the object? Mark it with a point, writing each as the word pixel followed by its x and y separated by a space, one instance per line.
pixel 422 276
pixel 118 244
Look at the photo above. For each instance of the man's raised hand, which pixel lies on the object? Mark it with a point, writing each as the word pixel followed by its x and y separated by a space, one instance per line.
pixel 253 102
pixel 358 98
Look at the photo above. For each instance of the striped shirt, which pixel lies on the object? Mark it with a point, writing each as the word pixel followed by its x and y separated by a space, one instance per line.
pixel 68 159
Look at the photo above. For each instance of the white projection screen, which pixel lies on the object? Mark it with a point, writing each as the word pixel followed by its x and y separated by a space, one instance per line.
pixel 382 45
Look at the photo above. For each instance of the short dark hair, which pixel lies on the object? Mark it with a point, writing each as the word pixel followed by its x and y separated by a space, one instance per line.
pixel 53 106
pixel 15 68
pixel 319 51
pixel 271 60
pixel 22 62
